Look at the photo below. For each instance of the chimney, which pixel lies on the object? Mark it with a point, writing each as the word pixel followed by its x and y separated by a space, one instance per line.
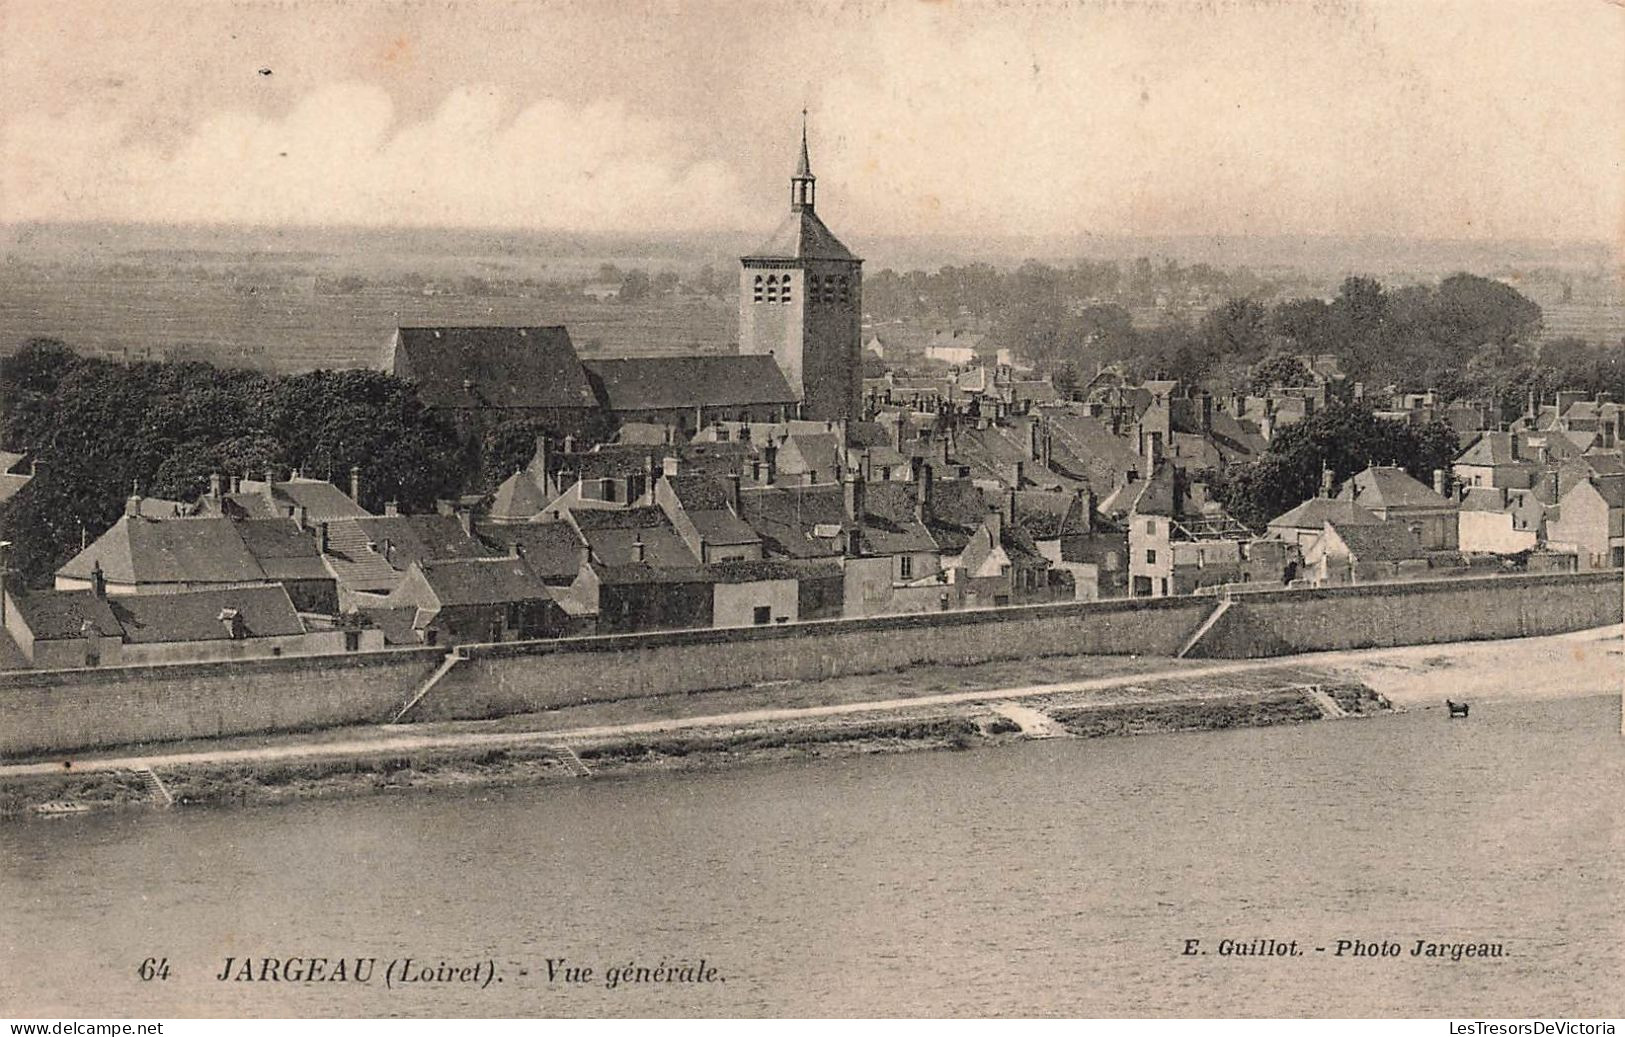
pixel 270 477
pixel 569 444
pixel 770 458
pixel 1018 472
pixel 214 485
pixel 855 497
pixel 132 504
pixel 639 553
pixel 98 579
pixel 299 515
pixel 355 483
pixel 1010 506
pixel 1551 484
pixel 923 475
pixel 392 509
pixel 236 484
pixel 1046 446
pixel 321 537
pixel 1440 485
pixel 1326 482
pixel 1205 401
pixel 736 499
pixel 1090 504
pixel 232 619
pixel 1035 440
pixel 854 542
pixel 995 526
pixel 669 466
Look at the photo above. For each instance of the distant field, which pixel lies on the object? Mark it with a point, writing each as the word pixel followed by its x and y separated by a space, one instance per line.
pixel 289 328
pixel 1594 323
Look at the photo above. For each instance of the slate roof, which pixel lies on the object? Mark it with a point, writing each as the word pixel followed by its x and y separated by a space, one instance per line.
pixel 958 510
pixel 195 615
pixel 890 523
pixel 519 367
pixel 322 501
pixel 195 550
pixel 802 235
pixel 678 382
pixel 59 615
pixel 483 581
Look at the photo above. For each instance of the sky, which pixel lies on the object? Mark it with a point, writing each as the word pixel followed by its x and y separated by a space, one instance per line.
pixel 1477 119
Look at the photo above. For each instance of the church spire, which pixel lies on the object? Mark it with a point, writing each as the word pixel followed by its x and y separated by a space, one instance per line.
pixel 801 184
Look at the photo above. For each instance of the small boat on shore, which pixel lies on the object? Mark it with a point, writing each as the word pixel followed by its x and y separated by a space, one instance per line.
pixel 1457 709
pixel 59 807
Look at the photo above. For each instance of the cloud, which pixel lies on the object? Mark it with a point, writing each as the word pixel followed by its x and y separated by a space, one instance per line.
pixel 341 156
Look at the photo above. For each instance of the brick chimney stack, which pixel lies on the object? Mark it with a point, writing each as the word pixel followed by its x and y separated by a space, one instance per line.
pixel 355 483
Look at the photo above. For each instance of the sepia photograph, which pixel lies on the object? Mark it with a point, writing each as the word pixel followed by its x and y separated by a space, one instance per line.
pixel 693 509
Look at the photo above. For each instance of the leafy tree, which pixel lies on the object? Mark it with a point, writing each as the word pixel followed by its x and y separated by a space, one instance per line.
pixel 1279 369
pixel 1345 438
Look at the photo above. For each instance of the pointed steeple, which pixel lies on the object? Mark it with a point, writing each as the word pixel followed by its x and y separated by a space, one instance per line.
pixel 801 184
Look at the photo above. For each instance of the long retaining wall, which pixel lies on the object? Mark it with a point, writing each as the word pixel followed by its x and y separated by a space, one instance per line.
pixel 54 711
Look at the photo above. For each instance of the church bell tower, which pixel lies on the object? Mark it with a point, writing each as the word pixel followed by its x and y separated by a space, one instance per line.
pixel 801 300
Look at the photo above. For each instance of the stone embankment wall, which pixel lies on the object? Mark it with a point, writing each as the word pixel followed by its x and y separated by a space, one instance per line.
pixel 55 711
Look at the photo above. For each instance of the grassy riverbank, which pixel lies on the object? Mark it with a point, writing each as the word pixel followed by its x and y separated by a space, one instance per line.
pixel 1158 706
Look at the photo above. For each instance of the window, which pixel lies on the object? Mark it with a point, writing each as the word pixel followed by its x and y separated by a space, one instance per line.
pixel 772 288
pixel 757 293
pixel 513 615
pixel 905 567
pixel 93 657
pixel 1151 527
pixel 762 615
pixel 352 640
pixel 1150 557
pixel 845 297
pixel 786 296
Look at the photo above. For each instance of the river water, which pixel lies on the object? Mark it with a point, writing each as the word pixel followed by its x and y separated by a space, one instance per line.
pixel 1058 877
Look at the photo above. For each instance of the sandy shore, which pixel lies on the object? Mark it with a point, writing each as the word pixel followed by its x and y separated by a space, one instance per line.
pixel 1588 662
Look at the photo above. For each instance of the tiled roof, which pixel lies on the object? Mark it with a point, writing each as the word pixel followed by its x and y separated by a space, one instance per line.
pixel 469 367
pixel 612 535
pixel 398 624
pixel 11 482
pixel 483 581
pixel 1382 486
pixel 788 519
pixel 283 550
pixel 197 550
pixel 553 549
pixel 1385 542
pixel 1315 512
pixel 195 615
pixel 670 383
pixel 59 615
pixel 890 523
pixel 519 497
